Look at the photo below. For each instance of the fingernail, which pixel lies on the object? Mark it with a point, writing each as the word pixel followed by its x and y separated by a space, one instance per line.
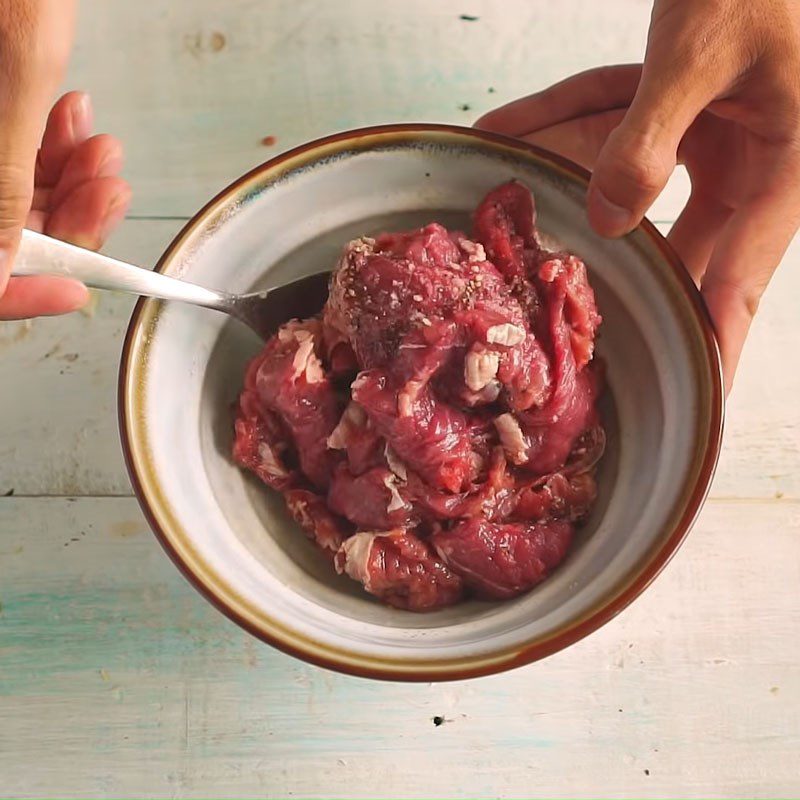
pixel 81 117
pixel 607 218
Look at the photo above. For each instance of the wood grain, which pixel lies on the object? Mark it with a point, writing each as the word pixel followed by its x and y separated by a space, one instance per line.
pixel 117 679
pixel 58 387
pixel 220 77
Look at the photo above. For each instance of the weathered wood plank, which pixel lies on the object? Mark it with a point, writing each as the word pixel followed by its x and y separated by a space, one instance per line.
pixel 117 679
pixel 58 387
pixel 220 77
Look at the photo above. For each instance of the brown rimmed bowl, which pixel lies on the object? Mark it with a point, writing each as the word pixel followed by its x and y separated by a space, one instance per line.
pixel 182 369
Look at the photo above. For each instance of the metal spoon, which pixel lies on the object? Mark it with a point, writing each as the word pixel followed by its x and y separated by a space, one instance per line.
pixel 263 312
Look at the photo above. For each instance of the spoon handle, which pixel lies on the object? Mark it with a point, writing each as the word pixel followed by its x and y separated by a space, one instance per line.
pixel 43 255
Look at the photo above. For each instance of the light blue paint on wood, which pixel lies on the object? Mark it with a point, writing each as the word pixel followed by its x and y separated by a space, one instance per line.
pixel 117 679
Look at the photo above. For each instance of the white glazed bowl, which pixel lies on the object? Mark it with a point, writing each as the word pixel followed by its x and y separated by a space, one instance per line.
pixel 182 369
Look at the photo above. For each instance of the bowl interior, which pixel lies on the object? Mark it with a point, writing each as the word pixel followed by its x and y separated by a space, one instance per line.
pixel 233 535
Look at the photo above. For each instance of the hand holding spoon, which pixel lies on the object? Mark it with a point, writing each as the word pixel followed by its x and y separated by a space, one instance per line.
pixel 263 312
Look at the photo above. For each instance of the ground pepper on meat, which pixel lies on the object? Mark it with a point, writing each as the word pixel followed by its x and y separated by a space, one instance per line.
pixel 435 429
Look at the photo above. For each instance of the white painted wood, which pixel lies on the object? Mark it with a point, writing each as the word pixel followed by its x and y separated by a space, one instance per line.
pixel 195 87
pixel 58 387
pixel 117 679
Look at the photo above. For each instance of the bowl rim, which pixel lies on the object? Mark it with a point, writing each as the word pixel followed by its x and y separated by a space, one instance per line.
pixel 605 610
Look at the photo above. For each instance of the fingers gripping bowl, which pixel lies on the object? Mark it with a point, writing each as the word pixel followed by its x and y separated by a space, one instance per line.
pixel 182 373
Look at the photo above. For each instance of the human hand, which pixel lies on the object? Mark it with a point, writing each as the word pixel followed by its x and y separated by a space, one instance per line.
pixel 71 190
pixel 78 197
pixel 718 92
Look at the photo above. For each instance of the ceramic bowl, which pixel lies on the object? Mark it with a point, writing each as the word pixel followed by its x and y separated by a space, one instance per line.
pixel 182 369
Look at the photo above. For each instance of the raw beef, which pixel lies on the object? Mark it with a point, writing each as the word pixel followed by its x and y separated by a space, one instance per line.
pixel 435 429
pixel 503 560
pixel 400 569
pixel 287 387
pixel 312 514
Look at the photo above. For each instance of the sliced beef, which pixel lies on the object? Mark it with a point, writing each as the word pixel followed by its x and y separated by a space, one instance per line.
pixel 358 438
pixel 386 291
pixel 558 496
pixel 430 436
pixel 436 427
pixel 375 500
pixel 289 381
pixel 500 561
pixel 400 569
pixel 384 287
pixel 541 439
pixel 311 513
pixel 580 310
pixel 505 223
pixel 260 445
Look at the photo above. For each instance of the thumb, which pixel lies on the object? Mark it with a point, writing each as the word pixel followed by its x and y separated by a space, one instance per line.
pixel 22 112
pixel 631 171
pixel 17 164
pixel 34 45
pixel 640 155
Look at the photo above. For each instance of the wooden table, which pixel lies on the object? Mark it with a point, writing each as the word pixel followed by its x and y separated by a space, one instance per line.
pixel 116 678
